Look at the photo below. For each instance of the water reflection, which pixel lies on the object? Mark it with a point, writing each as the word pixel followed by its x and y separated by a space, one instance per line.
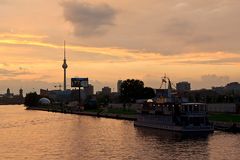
pixel 43 135
pixel 172 145
pixel 170 136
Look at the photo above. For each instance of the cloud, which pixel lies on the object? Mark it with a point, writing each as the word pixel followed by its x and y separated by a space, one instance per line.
pixel 3 1
pixel 164 27
pixel 220 61
pixel 23 36
pixel 210 80
pixel 88 19
pixel 13 73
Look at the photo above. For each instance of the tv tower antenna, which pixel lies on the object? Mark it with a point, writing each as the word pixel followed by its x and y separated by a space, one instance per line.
pixel 65 66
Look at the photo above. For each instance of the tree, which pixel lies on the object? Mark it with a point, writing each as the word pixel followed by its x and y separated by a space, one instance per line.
pixel 31 99
pixel 148 93
pixel 132 89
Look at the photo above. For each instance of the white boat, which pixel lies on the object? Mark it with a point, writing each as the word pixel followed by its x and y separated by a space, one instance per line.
pixel 185 117
pixel 169 113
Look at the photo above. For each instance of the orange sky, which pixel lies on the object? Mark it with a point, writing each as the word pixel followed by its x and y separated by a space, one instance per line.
pixel 109 40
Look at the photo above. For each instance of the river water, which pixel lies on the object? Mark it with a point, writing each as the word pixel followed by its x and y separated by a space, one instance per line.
pixel 38 135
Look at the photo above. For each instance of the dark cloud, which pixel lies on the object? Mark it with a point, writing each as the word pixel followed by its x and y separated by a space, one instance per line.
pixel 210 80
pixel 160 26
pixel 221 61
pixel 12 73
pixel 196 26
pixel 88 19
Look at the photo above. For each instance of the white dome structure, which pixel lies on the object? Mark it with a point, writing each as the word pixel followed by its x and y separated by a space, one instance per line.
pixel 149 101
pixel 44 101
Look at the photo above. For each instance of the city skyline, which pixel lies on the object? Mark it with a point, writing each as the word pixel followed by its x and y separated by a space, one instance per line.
pixel 119 40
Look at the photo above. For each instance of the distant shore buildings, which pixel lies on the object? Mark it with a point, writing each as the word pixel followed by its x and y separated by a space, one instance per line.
pixel 10 98
pixel 183 86
pixel 106 90
pixel 233 87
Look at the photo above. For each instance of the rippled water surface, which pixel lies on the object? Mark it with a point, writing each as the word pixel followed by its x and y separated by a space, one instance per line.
pixel 41 135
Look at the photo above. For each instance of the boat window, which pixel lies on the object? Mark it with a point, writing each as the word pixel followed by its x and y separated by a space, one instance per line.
pixel 190 108
pixel 195 108
pixel 185 108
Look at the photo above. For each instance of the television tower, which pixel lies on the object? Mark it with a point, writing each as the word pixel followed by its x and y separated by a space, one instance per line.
pixel 65 66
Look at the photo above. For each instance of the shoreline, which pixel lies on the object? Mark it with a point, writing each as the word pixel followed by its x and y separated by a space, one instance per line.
pixel 218 125
pixel 88 113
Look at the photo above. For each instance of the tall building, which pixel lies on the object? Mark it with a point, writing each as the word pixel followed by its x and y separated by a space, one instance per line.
pixel 89 90
pixel 8 92
pixel 183 86
pixel 21 92
pixel 65 66
pixel 106 90
pixel 119 83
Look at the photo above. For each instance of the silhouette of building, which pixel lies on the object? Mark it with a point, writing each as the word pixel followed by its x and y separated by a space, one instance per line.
pixel 65 66
pixel 183 86
pixel 21 92
pixel 8 94
pixel 89 90
pixel 106 90
pixel 56 95
pixel 10 98
pixel 119 83
pixel 98 92
pixel 233 88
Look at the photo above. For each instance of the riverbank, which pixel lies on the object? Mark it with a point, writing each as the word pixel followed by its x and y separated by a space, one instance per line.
pixel 226 122
pixel 114 114
pixel 230 125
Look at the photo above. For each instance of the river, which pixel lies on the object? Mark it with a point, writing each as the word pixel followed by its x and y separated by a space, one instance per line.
pixel 38 135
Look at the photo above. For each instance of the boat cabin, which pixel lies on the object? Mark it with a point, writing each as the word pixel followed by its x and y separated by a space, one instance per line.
pixel 183 114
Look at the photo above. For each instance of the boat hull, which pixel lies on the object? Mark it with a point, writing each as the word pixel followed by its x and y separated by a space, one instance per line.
pixel 174 128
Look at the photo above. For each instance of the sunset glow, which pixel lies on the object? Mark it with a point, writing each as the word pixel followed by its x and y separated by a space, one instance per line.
pixel 117 47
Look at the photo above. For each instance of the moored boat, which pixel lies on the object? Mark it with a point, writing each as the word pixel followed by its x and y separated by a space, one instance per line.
pixel 169 113
pixel 182 117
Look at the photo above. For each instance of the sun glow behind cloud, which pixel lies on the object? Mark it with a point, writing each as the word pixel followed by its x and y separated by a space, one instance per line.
pixel 129 62
pixel 120 39
pixel 120 53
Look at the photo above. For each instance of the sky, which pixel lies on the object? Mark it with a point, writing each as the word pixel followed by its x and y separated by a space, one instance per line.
pixel 108 40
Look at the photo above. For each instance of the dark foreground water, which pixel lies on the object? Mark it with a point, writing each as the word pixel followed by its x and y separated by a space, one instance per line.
pixel 43 135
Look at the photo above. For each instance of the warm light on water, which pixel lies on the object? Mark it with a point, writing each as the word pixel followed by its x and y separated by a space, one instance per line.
pixel 43 135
